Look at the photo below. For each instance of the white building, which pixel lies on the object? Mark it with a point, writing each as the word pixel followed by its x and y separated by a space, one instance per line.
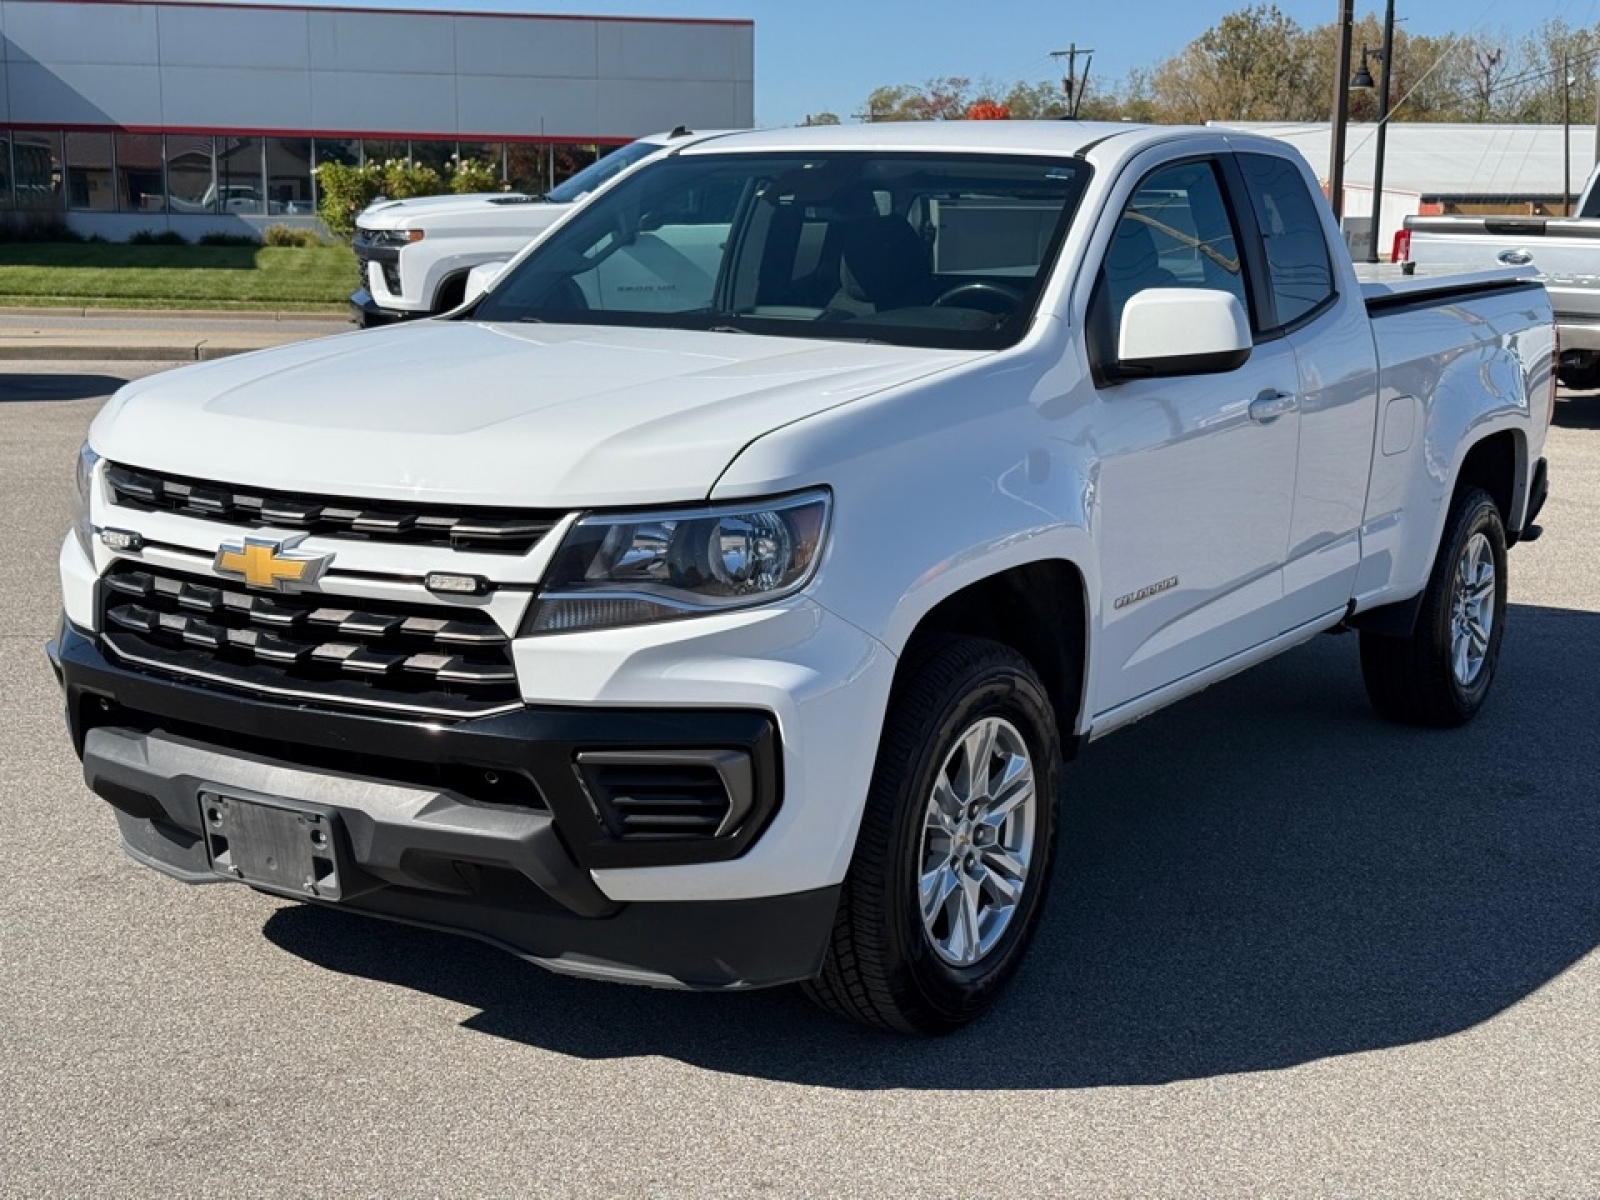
pixel 124 115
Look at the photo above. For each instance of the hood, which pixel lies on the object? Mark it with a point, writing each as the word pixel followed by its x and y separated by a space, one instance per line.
pixel 384 214
pixel 543 416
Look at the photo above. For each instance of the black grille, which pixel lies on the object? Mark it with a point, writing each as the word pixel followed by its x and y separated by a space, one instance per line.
pixel 420 659
pixel 659 802
pixel 489 530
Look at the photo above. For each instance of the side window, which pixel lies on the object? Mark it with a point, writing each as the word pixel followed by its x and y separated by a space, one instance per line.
pixel 1175 232
pixel 1298 266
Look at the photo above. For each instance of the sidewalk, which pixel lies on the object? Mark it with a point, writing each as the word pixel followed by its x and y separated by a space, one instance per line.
pixel 141 335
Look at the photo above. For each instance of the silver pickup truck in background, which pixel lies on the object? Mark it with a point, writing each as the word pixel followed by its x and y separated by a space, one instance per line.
pixel 1564 250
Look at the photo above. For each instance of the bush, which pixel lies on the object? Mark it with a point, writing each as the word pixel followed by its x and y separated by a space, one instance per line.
pixel 283 235
pixel 227 239
pixel 149 237
pixel 473 176
pixel 344 191
pixel 36 227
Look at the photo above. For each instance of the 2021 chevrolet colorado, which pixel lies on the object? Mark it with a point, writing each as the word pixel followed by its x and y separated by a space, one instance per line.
pixel 715 601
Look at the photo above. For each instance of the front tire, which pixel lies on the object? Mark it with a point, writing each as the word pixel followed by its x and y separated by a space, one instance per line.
pixel 956 844
pixel 1439 676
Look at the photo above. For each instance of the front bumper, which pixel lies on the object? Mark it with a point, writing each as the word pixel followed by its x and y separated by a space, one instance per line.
pixel 511 864
pixel 367 313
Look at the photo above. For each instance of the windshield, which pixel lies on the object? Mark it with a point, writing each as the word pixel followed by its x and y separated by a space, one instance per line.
pixel 914 249
pixel 596 173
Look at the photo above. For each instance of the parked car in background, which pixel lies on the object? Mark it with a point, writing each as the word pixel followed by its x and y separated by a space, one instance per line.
pixel 415 255
pixel 1564 251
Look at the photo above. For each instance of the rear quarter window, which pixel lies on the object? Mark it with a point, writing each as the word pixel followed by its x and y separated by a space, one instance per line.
pixel 1298 267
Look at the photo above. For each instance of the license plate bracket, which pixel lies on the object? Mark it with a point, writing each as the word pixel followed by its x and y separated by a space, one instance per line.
pixel 279 845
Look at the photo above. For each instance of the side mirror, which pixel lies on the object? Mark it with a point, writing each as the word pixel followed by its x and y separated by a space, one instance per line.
pixel 479 279
pixel 1181 331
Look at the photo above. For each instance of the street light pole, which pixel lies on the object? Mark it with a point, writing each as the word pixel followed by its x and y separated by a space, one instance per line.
pixel 1341 110
pixel 1566 135
pixel 1383 130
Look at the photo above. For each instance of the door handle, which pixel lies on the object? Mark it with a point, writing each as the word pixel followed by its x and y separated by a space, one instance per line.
pixel 1271 405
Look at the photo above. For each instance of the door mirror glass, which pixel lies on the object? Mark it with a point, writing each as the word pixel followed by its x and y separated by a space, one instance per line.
pixel 1181 331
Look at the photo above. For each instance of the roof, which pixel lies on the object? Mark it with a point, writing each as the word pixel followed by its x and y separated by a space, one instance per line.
pixel 1445 160
pixel 444 10
pixel 1062 138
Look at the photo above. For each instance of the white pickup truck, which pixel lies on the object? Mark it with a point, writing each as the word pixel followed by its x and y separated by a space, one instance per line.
pixel 715 601
pixel 1564 252
pixel 415 256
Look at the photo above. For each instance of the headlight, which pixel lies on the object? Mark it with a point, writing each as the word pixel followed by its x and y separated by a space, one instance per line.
pixel 392 237
pixel 637 568
pixel 82 526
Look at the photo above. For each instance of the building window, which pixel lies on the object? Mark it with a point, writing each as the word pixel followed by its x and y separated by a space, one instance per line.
pixel 344 151
pixel 90 186
pixel 240 187
pixel 139 169
pixel 433 154
pixel 36 171
pixel 527 167
pixel 289 176
pixel 383 151
pixel 191 182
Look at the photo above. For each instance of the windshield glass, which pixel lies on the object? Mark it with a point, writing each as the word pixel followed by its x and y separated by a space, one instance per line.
pixel 915 249
pixel 596 173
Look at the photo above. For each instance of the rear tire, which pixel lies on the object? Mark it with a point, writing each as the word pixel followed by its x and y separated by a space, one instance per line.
pixel 1585 378
pixel 956 844
pixel 1440 675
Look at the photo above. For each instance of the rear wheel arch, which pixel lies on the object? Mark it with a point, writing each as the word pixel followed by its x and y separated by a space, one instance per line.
pixel 1499 465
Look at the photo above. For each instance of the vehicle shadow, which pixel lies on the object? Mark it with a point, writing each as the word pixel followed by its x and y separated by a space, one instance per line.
pixel 34 388
pixel 1260 877
pixel 1577 410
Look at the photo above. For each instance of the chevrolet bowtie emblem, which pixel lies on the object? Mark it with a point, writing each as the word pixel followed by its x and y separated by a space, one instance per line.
pixel 263 563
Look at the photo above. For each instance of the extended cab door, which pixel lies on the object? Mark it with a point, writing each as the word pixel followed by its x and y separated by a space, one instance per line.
pixel 1196 480
pixel 1318 308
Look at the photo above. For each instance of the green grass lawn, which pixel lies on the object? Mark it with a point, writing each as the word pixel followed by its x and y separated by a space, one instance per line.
pixel 118 276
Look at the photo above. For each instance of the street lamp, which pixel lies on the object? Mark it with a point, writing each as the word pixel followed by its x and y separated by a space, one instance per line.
pixel 1363 81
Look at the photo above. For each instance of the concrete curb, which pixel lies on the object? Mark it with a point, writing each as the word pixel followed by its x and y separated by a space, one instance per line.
pixel 176 314
pixel 47 351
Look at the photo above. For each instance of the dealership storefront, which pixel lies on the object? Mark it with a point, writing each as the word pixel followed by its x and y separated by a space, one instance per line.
pixel 126 116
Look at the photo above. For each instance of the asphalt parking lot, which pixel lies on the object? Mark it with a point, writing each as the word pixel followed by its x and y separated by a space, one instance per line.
pixel 1291 951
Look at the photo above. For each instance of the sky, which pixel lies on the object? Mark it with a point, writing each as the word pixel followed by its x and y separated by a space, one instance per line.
pixel 816 55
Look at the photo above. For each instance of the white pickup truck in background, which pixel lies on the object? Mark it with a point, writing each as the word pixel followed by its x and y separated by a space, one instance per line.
pixel 1564 253
pixel 415 256
pixel 715 601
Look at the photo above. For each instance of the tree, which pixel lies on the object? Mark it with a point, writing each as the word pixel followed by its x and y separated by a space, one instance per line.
pixel 1035 101
pixel 821 118
pixel 945 99
pixel 1253 65
pixel 988 110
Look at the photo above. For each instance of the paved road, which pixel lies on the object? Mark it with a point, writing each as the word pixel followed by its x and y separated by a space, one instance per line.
pixel 1292 951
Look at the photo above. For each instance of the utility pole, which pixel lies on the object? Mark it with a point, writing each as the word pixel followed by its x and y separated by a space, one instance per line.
pixel 1341 108
pixel 1383 129
pixel 1072 86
